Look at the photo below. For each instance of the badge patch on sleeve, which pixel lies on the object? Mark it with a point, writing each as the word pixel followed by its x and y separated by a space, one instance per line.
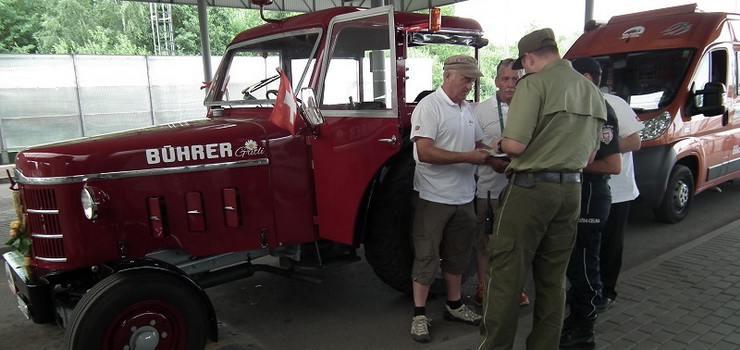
pixel 416 128
pixel 607 134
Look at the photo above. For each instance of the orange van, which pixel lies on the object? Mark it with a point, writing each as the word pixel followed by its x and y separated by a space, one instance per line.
pixel 678 69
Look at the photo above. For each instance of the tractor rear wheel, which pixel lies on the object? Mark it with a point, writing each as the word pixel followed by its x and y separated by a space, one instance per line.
pixel 388 238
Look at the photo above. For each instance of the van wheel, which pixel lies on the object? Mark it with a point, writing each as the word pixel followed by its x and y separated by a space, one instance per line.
pixel 678 196
pixel 139 310
pixel 388 238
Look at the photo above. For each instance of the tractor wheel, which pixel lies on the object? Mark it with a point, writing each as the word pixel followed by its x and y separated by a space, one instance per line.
pixel 388 238
pixel 139 310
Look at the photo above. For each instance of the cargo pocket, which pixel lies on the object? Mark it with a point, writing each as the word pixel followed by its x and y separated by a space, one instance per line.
pixel 502 252
pixel 502 243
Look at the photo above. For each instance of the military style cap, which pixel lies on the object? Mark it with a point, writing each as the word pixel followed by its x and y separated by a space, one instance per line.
pixel 466 65
pixel 533 42
pixel 587 65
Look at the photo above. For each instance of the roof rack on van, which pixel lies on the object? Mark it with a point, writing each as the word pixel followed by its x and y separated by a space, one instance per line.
pixel 668 11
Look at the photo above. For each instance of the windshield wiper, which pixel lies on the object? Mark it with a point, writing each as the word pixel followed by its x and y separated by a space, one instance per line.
pixel 247 92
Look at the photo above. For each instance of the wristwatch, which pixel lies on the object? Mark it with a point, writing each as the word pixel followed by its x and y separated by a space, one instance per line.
pixel 500 150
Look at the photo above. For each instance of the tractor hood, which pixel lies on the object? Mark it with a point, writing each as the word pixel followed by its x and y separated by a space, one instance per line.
pixel 195 144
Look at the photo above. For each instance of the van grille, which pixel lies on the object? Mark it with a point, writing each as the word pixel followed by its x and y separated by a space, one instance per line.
pixel 43 224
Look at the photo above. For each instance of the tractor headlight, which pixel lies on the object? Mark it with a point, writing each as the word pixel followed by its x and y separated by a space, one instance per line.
pixel 91 199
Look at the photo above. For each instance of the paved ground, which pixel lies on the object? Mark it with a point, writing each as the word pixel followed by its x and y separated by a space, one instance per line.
pixel 688 298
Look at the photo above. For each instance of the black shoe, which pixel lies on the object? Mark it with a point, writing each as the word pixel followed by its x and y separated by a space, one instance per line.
pixel 574 339
pixel 568 323
pixel 578 333
pixel 607 303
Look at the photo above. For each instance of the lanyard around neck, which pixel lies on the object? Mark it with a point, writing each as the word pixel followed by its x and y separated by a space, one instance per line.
pixel 500 116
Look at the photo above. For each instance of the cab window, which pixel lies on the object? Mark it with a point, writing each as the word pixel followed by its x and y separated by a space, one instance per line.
pixel 713 68
pixel 359 72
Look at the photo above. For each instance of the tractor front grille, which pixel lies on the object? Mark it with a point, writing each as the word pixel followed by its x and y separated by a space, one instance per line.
pixel 43 224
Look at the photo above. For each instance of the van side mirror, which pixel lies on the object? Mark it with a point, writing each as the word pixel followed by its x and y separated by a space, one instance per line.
pixel 711 100
pixel 310 107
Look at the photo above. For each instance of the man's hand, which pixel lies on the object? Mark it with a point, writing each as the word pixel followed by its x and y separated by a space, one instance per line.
pixel 494 145
pixel 499 165
pixel 427 153
pixel 477 156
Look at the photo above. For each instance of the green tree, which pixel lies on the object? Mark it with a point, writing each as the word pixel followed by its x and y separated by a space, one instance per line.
pixel 95 27
pixel 490 56
pixel 223 25
pixel 19 21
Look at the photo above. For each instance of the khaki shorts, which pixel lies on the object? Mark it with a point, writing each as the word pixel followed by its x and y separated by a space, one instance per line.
pixel 441 234
pixel 480 242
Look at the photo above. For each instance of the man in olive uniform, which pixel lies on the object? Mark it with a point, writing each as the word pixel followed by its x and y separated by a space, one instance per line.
pixel 555 121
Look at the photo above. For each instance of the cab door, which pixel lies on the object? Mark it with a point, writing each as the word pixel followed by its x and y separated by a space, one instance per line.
pixel 712 131
pixel 733 119
pixel 357 93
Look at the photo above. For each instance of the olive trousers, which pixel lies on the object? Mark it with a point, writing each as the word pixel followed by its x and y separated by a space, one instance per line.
pixel 535 228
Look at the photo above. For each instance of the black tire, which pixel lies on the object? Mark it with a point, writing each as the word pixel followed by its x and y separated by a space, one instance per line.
pixel 678 196
pixel 388 236
pixel 139 303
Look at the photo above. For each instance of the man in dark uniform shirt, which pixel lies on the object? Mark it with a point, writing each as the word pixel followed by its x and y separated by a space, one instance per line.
pixel 583 268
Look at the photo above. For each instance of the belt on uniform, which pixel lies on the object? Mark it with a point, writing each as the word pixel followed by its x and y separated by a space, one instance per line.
pixel 527 179
pixel 590 176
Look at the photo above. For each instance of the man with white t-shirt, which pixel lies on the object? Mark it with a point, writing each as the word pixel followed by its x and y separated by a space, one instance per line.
pixel 492 114
pixel 447 147
pixel 624 190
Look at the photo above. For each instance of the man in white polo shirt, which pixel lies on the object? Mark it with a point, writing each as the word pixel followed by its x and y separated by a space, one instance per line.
pixel 447 146
pixel 492 114
pixel 624 191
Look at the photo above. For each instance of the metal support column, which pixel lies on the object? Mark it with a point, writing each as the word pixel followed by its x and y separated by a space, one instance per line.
pixel 589 13
pixel 205 41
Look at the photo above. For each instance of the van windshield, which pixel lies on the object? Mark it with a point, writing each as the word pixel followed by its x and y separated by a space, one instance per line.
pixel 647 80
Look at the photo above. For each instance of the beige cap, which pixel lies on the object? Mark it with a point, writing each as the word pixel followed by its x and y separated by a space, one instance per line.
pixel 466 65
pixel 533 42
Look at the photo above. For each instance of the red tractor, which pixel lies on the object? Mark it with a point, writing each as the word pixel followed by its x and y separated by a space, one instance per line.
pixel 129 228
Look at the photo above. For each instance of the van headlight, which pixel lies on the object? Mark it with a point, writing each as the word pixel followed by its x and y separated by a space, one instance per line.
pixel 655 127
pixel 92 199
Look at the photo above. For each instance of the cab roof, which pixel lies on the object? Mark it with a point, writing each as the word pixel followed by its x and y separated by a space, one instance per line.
pixel 674 27
pixel 321 19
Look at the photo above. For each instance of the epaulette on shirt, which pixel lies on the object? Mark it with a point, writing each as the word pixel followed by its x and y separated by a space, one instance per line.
pixel 523 76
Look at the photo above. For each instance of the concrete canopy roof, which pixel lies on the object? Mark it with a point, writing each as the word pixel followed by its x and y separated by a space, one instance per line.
pixel 313 5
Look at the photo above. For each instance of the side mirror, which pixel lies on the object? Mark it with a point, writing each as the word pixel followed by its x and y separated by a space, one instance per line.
pixel 310 107
pixel 711 100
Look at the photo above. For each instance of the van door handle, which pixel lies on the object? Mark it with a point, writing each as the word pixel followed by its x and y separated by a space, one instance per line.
pixel 391 140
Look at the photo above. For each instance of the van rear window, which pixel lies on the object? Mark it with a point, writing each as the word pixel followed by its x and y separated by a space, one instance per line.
pixel 647 80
